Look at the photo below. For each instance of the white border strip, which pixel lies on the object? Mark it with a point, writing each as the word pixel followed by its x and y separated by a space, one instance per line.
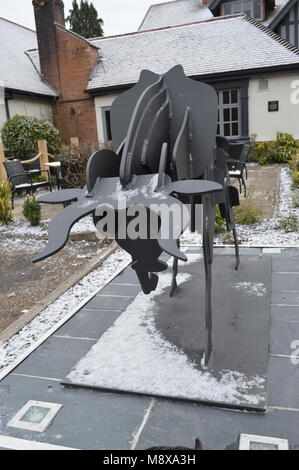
pixel 54 328
pixel 136 436
pixel 14 443
pixel 243 246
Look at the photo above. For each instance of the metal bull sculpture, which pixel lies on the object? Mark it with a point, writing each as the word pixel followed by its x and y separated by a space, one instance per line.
pixel 164 131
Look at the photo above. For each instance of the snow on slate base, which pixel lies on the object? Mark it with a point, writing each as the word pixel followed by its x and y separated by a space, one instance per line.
pixel 133 356
pixel 61 308
pixel 257 289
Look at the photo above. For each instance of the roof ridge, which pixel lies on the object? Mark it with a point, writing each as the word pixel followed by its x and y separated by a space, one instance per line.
pixel 17 24
pixel 207 20
pixel 272 34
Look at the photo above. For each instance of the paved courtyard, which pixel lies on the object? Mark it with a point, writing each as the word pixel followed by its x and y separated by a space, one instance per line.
pixel 262 187
pixel 91 419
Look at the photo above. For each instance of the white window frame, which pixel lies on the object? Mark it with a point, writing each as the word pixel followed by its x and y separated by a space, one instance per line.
pixel 222 107
pixel 104 109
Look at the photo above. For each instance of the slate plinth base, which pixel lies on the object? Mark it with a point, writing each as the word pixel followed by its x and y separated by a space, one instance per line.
pixel 156 345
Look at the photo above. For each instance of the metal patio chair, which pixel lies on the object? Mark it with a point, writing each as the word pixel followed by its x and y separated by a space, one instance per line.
pixel 237 155
pixel 21 180
pixel 32 167
pixel 237 166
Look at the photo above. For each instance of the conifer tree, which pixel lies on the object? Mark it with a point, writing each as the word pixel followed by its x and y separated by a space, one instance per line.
pixel 83 20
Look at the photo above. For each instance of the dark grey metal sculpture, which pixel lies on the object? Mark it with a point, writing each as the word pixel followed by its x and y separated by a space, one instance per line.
pixel 164 133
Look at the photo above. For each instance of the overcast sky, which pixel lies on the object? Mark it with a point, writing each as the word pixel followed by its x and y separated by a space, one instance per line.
pixel 120 16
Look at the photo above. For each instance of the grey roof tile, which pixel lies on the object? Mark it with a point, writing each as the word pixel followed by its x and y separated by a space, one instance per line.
pixel 17 70
pixel 209 47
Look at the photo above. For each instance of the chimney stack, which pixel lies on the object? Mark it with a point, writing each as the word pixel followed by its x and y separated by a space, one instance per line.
pixel 66 61
pixel 47 13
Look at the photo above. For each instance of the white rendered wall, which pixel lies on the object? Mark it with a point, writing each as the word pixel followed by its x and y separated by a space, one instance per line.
pixel 261 122
pixel 37 109
pixel 102 102
pixel 2 116
pixel 264 123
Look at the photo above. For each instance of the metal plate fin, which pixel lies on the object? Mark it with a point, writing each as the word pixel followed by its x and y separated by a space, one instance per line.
pixel 157 136
pixel 127 158
pixel 123 107
pixel 181 151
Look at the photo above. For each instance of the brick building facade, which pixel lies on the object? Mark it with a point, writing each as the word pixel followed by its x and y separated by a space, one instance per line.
pixel 66 63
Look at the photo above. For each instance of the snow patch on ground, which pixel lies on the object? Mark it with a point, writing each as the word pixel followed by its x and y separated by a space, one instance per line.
pixel 21 228
pixel 266 233
pixel 84 225
pixel 60 308
pixel 132 355
pixel 257 289
pixel 286 205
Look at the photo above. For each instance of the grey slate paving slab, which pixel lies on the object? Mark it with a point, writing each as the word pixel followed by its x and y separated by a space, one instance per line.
pixel 54 357
pixel 282 334
pixel 120 289
pixel 289 282
pixel 127 276
pixel 243 251
pixel 292 252
pixel 285 313
pixel 173 423
pixel 100 302
pixel 285 298
pixel 283 388
pixel 241 317
pixel 87 420
pixel 285 264
pixel 97 420
pixel 88 324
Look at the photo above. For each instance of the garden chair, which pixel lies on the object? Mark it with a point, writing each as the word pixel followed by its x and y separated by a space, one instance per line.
pixel 33 167
pixel 21 180
pixel 237 154
pixel 237 166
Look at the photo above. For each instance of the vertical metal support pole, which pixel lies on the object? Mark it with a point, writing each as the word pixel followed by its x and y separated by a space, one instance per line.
pixel 208 257
pixel 174 274
pixel 193 207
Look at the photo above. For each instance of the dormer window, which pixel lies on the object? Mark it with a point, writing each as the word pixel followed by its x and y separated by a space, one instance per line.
pixel 252 8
